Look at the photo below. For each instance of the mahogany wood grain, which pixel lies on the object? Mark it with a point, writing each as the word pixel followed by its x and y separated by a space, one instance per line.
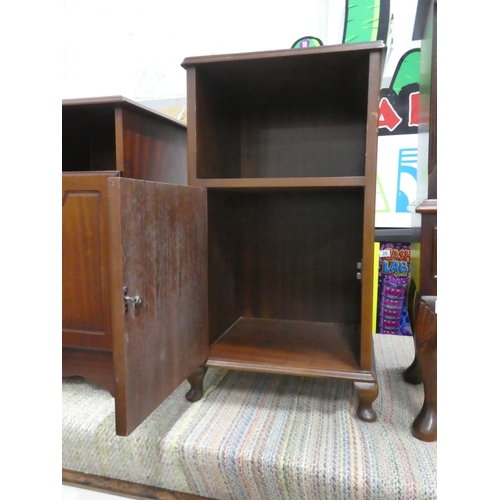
pixel 277 255
pixel 85 260
pixel 427 256
pixel 109 137
pixel 224 268
pixel 95 366
pixel 282 183
pixel 201 61
pixel 115 133
pixel 153 148
pixel 158 235
pixel 289 347
pixel 367 329
pixel 279 114
pixel 321 136
pixel 195 393
pixel 125 488
pixel 425 424
pixel 285 142
pixel 213 134
pixel 192 119
pixel 367 392
pixel 293 263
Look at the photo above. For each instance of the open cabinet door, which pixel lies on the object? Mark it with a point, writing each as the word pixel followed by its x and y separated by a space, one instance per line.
pixel 158 255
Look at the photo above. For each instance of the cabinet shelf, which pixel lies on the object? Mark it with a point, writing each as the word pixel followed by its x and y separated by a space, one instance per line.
pixel 280 182
pixel 304 348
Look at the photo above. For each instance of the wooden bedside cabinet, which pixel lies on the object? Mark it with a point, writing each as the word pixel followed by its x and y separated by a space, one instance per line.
pixel 285 142
pixel 134 290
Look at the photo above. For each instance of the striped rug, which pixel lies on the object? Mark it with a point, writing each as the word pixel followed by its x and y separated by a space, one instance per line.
pixel 263 437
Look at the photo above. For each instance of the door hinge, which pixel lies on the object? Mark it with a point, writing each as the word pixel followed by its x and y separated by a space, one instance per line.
pixel 358 275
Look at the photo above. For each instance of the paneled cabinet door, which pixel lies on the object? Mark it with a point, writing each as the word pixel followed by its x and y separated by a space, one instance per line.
pixel 86 321
pixel 159 310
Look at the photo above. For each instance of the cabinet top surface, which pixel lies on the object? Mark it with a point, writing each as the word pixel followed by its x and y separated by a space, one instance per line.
pixel 117 100
pixel 282 53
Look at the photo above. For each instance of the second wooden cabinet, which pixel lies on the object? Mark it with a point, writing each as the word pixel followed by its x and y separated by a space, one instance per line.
pixel 134 288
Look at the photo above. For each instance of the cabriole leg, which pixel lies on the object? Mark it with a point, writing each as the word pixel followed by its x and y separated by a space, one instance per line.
pixel 196 380
pixel 367 392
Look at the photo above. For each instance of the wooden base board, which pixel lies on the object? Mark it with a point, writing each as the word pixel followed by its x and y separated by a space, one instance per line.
pixel 302 348
pixel 125 488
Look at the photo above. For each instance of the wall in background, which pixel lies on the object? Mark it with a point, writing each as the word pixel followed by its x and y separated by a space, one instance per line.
pixel 136 48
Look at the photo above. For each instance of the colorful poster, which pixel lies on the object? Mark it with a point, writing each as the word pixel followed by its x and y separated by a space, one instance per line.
pixel 394 22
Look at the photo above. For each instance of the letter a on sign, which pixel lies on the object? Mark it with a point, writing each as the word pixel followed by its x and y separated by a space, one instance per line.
pixel 387 116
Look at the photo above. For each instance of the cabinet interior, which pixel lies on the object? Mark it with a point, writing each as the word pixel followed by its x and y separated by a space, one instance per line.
pixel 258 121
pixel 88 138
pixel 277 255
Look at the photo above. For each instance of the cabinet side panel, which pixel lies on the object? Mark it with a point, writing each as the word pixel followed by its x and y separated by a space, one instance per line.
pixel 428 255
pixel 85 318
pixel 153 149
pixel 192 119
pixel 224 239
pixel 375 68
pixel 213 118
pixel 163 235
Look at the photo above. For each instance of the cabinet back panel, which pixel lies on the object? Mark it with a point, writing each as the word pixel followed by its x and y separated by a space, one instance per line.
pixel 303 144
pixel 292 256
pixel 88 139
